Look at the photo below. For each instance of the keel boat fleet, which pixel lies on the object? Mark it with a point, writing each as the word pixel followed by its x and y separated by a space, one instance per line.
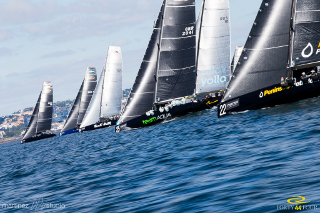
pixel 187 68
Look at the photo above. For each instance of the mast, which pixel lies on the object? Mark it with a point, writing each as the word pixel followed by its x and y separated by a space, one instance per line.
pixel 199 23
pixel 104 75
pixel 159 49
pixel 176 66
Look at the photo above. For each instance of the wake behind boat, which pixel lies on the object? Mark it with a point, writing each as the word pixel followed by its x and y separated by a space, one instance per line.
pixel 81 103
pixel 40 123
pixel 170 72
pixel 278 62
pixel 106 101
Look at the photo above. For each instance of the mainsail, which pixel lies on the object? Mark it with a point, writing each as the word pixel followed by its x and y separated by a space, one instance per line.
pixel 176 70
pixel 142 94
pixel 42 115
pixel 306 45
pixel 213 46
pixel 106 100
pixel 265 56
pixel 236 57
pixel 82 100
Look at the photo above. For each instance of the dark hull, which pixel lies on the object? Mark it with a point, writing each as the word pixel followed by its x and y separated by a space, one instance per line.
pixel 70 131
pixel 177 111
pixel 36 138
pixel 254 100
pixel 95 127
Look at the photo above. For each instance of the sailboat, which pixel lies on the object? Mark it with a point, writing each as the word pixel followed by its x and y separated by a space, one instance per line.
pixel 81 103
pixel 40 122
pixel 283 43
pixel 105 104
pixel 165 86
pixel 236 57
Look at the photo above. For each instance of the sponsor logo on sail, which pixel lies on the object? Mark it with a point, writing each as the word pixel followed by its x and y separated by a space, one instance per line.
pixel 218 75
pixel 298 203
pixel 92 77
pixel 309 50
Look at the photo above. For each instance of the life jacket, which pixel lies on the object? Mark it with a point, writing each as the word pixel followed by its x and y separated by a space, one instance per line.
pixel 315 77
pixel 289 81
pixel 304 79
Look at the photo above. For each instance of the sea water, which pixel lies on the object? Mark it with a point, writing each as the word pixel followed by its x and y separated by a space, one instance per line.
pixel 250 162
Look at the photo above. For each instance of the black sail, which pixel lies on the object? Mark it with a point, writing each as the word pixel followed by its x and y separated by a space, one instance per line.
pixel 45 108
pixel 266 53
pixel 32 126
pixel 142 94
pixel 176 72
pixel 89 85
pixel 306 45
pixel 74 112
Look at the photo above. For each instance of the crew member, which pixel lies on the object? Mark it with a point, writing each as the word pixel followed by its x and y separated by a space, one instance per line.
pixel 289 80
pixel 314 76
pixel 304 78
pixel 283 82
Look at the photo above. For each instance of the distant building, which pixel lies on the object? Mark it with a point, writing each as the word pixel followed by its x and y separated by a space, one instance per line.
pixel 2 134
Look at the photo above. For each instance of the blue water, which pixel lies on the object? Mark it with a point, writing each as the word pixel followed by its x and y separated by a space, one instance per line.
pixel 250 162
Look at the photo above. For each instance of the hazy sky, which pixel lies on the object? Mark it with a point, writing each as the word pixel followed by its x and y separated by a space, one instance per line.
pixel 55 40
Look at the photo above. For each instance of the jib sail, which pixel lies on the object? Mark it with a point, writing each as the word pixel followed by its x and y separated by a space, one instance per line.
pixel 213 58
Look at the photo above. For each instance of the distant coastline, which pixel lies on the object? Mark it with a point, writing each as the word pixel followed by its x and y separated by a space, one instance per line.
pixel 9 140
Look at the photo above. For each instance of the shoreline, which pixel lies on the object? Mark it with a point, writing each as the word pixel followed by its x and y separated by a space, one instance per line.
pixel 9 140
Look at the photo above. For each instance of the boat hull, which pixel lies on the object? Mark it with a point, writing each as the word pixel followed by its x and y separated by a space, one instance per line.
pixel 176 111
pixel 70 131
pixel 269 97
pixel 36 138
pixel 95 127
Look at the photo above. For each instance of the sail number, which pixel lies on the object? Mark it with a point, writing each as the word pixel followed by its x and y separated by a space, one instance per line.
pixel 223 108
pixel 188 31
